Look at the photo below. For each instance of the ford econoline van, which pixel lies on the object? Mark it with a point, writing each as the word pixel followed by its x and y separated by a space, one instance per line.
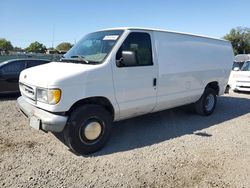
pixel 120 73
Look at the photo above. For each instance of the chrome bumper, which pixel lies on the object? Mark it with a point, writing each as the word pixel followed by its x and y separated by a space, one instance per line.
pixel 240 88
pixel 45 120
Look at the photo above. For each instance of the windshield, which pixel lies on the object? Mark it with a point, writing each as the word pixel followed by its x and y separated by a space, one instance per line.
pixel 94 47
pixel 237 64
pixel 246 66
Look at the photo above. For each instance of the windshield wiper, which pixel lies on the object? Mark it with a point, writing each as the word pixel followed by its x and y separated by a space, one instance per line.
pixel 76 58
pixel 80 57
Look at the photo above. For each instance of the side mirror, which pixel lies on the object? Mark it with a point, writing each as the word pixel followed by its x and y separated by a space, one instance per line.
pixel 236 69
pixel 128 59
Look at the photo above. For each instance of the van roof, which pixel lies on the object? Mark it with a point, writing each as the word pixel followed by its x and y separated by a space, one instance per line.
pixel 161 30
pixel 242 57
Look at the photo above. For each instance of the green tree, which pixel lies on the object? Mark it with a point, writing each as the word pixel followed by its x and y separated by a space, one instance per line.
pixel 36 47
pixel 17 49
pixel 64 46
pixel 240 39
pixel 5 45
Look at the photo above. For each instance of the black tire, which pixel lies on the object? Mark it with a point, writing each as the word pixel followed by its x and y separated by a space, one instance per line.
pixel 201 106
pixel 227 89
pixel 75 131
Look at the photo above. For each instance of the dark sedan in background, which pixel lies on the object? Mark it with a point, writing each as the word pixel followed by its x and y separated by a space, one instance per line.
pixel 10 71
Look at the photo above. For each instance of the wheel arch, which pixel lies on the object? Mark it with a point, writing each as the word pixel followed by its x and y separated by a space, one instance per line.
pixel 215 86
pixel 98 100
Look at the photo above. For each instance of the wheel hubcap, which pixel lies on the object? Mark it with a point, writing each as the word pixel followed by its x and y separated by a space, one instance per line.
pixel 209 102
pixel 92 131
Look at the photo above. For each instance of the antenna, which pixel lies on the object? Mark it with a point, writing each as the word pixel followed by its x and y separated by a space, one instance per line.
pixel 53 35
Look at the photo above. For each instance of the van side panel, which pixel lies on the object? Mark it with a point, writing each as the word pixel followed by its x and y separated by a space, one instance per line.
pixel 187 64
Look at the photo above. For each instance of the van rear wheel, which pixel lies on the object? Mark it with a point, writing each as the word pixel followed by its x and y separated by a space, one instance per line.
pixel 207 103
pixel 88 129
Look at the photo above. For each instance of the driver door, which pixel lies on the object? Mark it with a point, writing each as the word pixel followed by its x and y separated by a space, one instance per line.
pixel 135 84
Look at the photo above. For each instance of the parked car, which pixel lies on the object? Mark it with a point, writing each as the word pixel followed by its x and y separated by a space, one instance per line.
pixel 239 60
pixel 236 67
pixel 242 78
pixel 10 71
pixel 116 74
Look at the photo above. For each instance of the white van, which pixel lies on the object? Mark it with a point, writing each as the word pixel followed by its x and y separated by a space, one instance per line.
pixel 121 73
pixel 242 78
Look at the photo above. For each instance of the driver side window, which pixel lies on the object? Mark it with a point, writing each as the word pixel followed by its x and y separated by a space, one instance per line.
pixel 140 44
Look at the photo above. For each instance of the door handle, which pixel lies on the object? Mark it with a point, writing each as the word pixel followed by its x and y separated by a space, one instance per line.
pixel 154 82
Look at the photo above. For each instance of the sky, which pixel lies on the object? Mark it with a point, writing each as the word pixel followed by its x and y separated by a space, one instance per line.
pixel 54 21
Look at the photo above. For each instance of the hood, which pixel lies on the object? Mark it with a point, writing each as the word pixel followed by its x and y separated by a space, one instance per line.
pixel 242 76
pixel 52 74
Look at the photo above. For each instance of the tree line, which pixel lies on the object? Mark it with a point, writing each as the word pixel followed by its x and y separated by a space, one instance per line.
pixel 239 37
pixel 35 47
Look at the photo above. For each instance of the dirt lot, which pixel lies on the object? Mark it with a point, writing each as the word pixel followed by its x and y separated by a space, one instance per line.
pixel 174 148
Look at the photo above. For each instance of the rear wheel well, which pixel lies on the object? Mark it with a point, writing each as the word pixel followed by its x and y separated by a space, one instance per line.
pixel 214 86
pixel 102 101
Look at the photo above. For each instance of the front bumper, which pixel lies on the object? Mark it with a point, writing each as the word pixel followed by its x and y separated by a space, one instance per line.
pixel 41 119
pixel 242 86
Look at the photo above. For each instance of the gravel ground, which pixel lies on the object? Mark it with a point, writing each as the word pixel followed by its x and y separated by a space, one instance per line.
pixel 173 148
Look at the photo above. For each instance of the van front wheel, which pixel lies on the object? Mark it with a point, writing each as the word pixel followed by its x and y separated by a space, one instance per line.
pixel 207 103
pixel 88 129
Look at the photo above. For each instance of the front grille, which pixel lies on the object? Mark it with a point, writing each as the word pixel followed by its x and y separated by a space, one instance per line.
pixel 28 91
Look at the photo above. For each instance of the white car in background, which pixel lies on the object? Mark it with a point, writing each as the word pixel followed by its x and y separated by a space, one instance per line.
pixel 239 61
pixel 242 78
pixel 236 67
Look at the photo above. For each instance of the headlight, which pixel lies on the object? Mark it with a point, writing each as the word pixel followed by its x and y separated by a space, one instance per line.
pixel 49 96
